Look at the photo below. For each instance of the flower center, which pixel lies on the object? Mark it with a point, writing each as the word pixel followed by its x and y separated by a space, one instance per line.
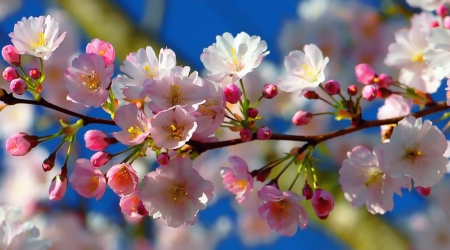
pixel 136 202
pixel 205 109
pixel 242 184
pixel 280 208
pixel 123 176
pixel 175 131
pixel 374 177
pixel 150 72
pixel 411 154
pixel 102 53
pixel 417 57
pixel 91 80
pixel 235 61
pixel 93 184
pixel 310 73
pixel 176 193
pixel 134 131
pixel 175 95
pixel 41 41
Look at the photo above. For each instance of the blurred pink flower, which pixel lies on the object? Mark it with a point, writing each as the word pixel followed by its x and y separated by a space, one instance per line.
pixel 322 202
pixel 87 180
pixel 237 179
pixel 130 205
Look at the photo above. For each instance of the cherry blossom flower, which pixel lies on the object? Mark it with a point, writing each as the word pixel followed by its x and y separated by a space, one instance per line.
pixel 123 179
pixel 135 126
pixel 323 203
pixel 437 56
pixel 176 192
pixel 103 49
pixel 233 56
pixel 176 88
pixel 282 210
pixel 87 180
pixel 132 205
pixel 237 179
pixel 172 128
pixel 305 70
pixel 416 150
pixel 88 79
pixel 365 179
pixel 36 36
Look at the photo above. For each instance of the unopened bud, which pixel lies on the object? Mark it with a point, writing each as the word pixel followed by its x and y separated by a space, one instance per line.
pixel 232 93
pixel 307 191
pixel 270 91
pixel 252 112
pixel 263 133
pixel 49 163
pixel 384 80
pixel 332 87
pixel 365 73
pixel 245 134
pixel 18 86
pixel 384 93
pixel 96 140
pixel 311 95
pixel 302 118
pixel 369 92
pixel 323 203
pixel 21 143
pixel 434 24
pixel 424 190
pixel 262 174
pixel 163 159
pixel 11 55
pixel 10 74
pixel 441 10
pixel 100 158
pixel 35 74
pixel 57 188
pixel 352 90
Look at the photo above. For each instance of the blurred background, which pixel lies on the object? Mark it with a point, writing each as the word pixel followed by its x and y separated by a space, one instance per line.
pixel 348 32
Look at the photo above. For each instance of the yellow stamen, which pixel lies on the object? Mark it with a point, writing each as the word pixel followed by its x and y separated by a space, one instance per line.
pixel 175 95
pixel 134 131
pixel 236 63
pixel 93 184
pixel 150 72
pixel 175 131
pixel 417 58
pixel 102 53
pixel 411 154
pixel 176 194
pixel 280 208
pixel 374 177
pixel 123 176
pixel 91 80
pixel 41 41
pixel 310 73
pixel 242 184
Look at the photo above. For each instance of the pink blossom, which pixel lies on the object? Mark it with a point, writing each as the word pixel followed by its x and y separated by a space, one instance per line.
pixel 332 87
pixel 96 140
pixel 245 134
pixel 416 150
pixel 172 128
pixel 282 210
pixel 20 144
pixel 263 133
pixel 369 92
pixel 163 159
pixel 123 179
pixel 10 74
pixel 352 90
pixel 88 79
pixel 132 205
pixel 134 124
pixel 176 192
pixel 87 180
pixel 100 158
pixel 18 86
pixel 365 73
pixel 11 55
pixel 323 203
pixel 57 188
pixel 232 93
pixel 101 48
pixel 34 74
pixel 365 179
pixel 302 118
pixel 237 179
pixel 270 91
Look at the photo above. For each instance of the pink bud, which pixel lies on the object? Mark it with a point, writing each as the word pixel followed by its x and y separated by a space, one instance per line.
pixel 57 188
pixel 96 140
pixel 232 93
pixel 365 73
pixel 332 87
pixel 163 159
pixel 270 91
pixel 100 158
pixel 35 74
pixel 49 163
pixel 18 86
pixel 384 80
pixel 441 10
pixel 246 134
pixel 352 90
pixel 302 118
pixel 323 203
pixel 10 74
pixel 11 55
pixel 263 133
pixel 311 95
pixel 434 24
pixel 21 143
pixel 369 92
pixel 262 174
pixel 447 22
pixel 252 112
pixel 307 191
pixel 424 190
pixel 104 49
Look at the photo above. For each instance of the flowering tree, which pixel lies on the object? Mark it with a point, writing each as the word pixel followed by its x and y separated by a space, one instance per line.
pixel 171 112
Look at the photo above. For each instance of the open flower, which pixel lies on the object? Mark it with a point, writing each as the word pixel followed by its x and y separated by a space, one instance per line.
pixel 237 179
pixel 282 210
pixel 233 56
pixel 37 36
pixel 416 150
pixel 132 205
pixel 123 179
pixel 437 56
pixel 87 180
pixel 172 128
pixel 135 126
pixel 306 70
pixel 176 192
pixel 88 79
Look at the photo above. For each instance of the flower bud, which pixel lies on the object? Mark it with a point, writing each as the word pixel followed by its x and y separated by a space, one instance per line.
pixel 252 112
pixel 323 203
pixel 18 86
pixel 49 163
pixel 384 93
pixel 424 190
pixel 369 92
pixel 441 10
pixel 11 55
pixel 100 158
pixel 163 159
pixel 365 73
pixel 332 87
pixel 352 90
pixel 302 118
pixel 246 134
pixel 57 188
pixel 262 174
pixel 263 133
pixel 96 140
pixel 307 191
pixel 21 143
pixel 104 49
pixel 434 24
pixel 232 93
pixel 446 22
pixel 35 74
pixel 10 74
pixel 311 95
pixel 270 91
pixel 384 80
